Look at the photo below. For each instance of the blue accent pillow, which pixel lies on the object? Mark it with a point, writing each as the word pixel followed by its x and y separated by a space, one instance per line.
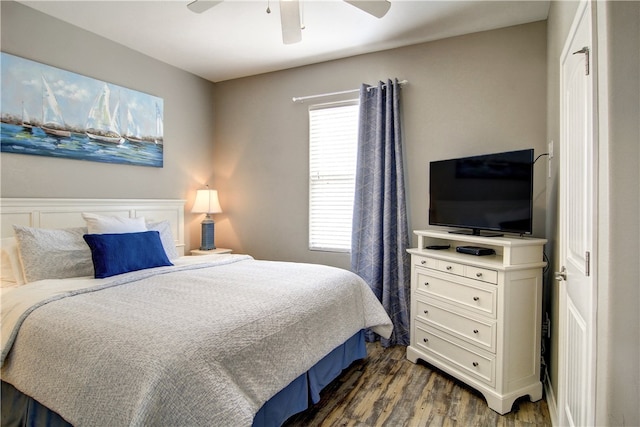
pixel 121 253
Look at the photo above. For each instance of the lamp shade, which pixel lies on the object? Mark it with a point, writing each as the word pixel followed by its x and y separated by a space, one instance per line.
pixel 206 202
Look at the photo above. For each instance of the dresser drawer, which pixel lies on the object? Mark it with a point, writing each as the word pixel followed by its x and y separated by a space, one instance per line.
pixel 450 267
pixel 425 262
pixel 462 359
pixel 484 274
pixel 478 298
pixel 482 334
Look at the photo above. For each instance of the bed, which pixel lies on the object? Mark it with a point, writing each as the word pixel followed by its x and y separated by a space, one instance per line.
pixel 151 340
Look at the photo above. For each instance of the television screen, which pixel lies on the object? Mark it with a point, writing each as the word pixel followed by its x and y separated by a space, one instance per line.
pixel 488 192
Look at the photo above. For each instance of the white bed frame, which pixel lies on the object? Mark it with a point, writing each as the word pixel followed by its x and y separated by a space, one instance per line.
pixel 63 213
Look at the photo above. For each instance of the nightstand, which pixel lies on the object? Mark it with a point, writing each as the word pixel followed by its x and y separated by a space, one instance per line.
pixel 212 251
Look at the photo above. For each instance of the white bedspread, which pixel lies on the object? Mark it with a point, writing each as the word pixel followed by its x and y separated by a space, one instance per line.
pixel 191 345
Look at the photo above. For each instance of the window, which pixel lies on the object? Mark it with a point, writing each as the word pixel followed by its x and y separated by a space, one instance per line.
pixel 333 137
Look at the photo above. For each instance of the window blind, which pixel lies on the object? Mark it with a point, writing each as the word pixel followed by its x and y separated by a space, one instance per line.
pixel 333 134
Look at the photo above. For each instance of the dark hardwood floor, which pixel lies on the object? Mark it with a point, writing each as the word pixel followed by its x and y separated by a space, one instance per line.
pixel 386 389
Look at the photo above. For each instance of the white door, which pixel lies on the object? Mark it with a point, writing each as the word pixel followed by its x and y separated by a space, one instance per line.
pixel 577 340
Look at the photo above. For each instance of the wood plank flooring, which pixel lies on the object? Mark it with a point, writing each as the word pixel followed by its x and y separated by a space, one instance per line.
pixel 386 389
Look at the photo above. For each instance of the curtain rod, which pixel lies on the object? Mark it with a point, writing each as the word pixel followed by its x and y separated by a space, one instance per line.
pixel 322 95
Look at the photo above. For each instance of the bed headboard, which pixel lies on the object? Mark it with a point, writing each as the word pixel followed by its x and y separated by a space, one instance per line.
pixel 63 213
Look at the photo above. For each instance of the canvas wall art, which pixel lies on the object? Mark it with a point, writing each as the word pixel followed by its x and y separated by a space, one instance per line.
pixel 47 111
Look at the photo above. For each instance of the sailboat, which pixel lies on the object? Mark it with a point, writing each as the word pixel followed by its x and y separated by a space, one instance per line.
pixel 159 127
pixel 133 132
pixel 26 121
pixel 101 125
pixel 52 121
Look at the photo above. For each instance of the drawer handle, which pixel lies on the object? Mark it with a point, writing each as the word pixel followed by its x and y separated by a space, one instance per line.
pixel 449 268
pixel 425 340
pixel 478 274
pixel 475 364
pixel 476 298
pixel 423 262
pixel 475 331
pixel 426 283
pixel 426 312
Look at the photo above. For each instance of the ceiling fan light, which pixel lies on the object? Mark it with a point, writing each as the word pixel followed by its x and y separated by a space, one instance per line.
pixel 290 21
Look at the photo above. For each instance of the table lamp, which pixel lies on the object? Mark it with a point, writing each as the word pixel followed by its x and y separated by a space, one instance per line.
pixel 207 203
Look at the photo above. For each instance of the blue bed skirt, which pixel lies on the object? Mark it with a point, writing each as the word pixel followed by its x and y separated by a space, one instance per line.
pixel 305 389
pixel 19 409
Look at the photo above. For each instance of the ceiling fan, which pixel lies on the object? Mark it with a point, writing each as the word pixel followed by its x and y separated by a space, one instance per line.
pixel 290 14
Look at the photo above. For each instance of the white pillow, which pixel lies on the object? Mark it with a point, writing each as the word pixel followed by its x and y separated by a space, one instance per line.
pixel 166 237
pixel 10 268
pixel 103 224
pixel 53 254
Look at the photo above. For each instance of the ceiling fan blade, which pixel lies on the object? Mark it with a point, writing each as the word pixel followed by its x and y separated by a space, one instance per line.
pixel 377 8
pixel 199 6
pixel 290 21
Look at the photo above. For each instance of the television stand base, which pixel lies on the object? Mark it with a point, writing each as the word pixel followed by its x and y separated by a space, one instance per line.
pixel 476 232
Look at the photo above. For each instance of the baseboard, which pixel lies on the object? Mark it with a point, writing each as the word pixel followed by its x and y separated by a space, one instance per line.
pixel 551 400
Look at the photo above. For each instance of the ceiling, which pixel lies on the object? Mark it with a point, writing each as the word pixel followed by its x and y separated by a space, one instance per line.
pixel 238 38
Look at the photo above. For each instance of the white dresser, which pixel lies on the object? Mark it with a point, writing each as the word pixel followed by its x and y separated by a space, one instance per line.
pixel 479 318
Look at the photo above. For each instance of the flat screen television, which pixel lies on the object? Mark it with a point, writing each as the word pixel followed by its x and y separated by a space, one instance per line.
pixel 483 195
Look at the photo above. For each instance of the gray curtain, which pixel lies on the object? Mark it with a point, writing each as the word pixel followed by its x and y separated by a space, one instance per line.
pixel 380 227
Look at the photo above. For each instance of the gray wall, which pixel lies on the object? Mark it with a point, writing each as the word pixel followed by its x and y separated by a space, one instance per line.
pixel 467 95
pixel 619 209
pixel 188 119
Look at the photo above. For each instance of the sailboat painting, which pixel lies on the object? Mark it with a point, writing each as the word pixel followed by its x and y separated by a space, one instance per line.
pixel 47 111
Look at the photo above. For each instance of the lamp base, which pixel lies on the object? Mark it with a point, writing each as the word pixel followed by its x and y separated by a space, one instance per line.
pixel 207 242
